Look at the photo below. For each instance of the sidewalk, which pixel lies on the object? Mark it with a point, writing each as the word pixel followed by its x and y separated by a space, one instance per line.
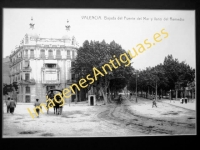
pixel 190 105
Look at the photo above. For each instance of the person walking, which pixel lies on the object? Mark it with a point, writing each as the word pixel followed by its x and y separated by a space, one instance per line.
pixel 154 102
pixel 8 104
pixel 12 106
pixel 37 103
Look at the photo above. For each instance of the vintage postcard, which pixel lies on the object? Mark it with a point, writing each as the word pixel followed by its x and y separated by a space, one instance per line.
pixel 98 73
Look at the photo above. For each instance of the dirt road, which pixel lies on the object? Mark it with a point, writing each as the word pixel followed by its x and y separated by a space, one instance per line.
pixel 126 119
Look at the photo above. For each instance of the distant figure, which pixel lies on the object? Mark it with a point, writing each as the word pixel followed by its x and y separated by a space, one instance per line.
pixel 37 103
pixel 12 106
pixel 186 100
pixel 154 102
pixel 120 99
pixel 8 104
pixel 181 100
pixel 130 95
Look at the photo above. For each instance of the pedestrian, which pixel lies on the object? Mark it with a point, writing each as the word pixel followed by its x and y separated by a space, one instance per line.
pixel 154 102
pixel 8 104
pixel 12 106
pixel 37 103
pixel 186 100
pixel 181 100
pixel 120 98
pixel 60 108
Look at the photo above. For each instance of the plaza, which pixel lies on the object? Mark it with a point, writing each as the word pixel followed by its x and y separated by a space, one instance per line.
pixel 82 120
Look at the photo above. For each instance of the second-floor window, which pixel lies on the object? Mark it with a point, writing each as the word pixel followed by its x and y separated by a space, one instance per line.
pixel 50 53
pixel 42 53
pixel 32 53
pixel 26 64
pixel 27 76
pixel 26 53
pixel 28 89
pixel 68 54
pixel 58 53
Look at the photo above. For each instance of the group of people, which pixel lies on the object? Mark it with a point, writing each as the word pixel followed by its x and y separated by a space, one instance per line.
pixel 11 104
pixel 182 100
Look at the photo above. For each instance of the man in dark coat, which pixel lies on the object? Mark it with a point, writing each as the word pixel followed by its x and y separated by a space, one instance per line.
pixel 12 105
pixel 8 104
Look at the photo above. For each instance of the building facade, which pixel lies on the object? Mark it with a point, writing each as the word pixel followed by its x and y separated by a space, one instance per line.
pixel 39 64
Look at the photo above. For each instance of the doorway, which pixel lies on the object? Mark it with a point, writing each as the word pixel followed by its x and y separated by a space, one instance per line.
pixel 91 100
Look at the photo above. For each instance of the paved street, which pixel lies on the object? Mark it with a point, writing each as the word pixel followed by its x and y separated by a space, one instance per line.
pixel 126 119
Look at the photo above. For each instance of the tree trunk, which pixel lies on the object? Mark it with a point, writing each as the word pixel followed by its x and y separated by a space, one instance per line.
pixel 104 95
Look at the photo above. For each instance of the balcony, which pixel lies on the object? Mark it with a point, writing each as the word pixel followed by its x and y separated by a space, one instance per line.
pixel 50 57
pixel 51 82
pixel 58 57
pixel 32 56
pixel 42 56
pixel 26 69
pixel 68 57
pixel 27 82
pixel 25 57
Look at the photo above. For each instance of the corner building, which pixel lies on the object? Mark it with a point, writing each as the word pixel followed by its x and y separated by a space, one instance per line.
pixel 39 64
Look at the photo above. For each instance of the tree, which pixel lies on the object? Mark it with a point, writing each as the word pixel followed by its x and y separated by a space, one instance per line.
pixel 96 54
pixel 164 76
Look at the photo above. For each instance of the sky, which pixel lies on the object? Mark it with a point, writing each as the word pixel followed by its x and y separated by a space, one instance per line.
pixel 127 27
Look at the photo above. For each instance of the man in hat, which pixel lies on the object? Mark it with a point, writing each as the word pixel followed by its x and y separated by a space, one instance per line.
pixel 8 104
pixel 12 105
pixel 37 104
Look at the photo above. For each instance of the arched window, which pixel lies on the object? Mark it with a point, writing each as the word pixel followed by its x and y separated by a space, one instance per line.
pixel 42 53
pixel 32 53
pixel 26 53
pixel 28 89
pixel 58 54
pixel 50 55
pixel 68 54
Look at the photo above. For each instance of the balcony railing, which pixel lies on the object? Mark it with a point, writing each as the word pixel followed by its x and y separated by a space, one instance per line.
pixel 50 82
pixel 58 56
pixel 42 56
pixel 32 56
pixel 68 57
pixel 50 57
pixel 26 69
pixel 27 82
pixel 25 56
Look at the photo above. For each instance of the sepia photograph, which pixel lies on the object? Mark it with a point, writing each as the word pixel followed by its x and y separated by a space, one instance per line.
pixel 98 72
